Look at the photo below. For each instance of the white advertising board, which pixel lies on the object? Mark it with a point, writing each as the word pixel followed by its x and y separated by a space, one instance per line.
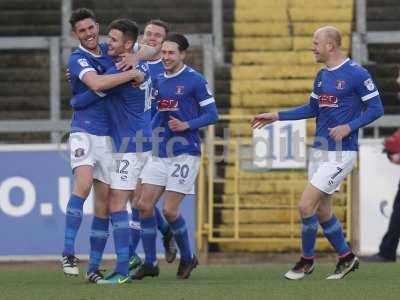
pixel 379 179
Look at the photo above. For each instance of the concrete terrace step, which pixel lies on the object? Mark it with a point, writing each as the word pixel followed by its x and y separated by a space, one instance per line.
pixel 29 5
pixel 272 58
pixel 274 72
pixel 390 13
pixel 35 17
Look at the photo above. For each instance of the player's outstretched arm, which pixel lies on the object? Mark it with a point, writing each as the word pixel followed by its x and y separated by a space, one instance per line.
pixel 261 120
pixel 100 83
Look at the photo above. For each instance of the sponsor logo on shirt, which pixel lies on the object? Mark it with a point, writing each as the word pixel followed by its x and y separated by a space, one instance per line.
pixel 340 84
pixel 167 105
pixel 326 100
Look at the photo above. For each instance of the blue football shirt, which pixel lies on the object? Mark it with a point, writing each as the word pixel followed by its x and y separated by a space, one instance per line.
pixel 93 119
pixel 181 96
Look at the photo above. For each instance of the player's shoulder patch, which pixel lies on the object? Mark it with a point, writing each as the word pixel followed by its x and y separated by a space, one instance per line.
pixel 83 62
pixel 369 84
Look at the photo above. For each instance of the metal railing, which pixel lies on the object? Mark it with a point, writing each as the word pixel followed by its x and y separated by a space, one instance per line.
pixel 209 230
pixel 362 37
pixel 54 124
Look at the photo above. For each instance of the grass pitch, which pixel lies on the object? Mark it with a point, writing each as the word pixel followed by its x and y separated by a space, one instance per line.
pixel 45 281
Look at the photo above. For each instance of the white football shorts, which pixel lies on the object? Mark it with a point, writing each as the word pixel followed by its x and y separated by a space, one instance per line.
pixel 177 174
pixel 127 168
pixel 92 150
pixel 327 169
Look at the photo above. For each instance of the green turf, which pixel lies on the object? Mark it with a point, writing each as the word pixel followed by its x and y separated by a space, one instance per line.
pixel 371 281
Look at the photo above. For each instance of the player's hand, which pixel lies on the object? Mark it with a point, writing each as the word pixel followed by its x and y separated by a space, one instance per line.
pixel 261 120
pixel 177 125
pixel 128 61
pixel 68 75
pixel 339 132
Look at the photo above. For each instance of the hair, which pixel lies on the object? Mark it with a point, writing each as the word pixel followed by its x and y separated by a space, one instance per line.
pixel 81 14
pixel 333 34
pixel 128 27
pixel 180 39
pixel 159 23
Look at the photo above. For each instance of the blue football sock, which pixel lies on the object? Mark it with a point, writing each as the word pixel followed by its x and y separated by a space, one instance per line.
pixel 162 225
pixel 73 220
pixel 98 240
pixel 334 233
pixel 309 232
pixel 149 234
pixel 120 226
pixel 134 229
pixel 181 236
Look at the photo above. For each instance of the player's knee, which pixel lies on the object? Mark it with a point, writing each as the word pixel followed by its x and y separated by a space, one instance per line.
pixel 170 214
pixel 306 210
pixel 82 189
pixel 145 209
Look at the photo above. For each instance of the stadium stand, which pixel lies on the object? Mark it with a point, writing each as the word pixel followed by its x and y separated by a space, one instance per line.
pixel 382 15
pixel 269 67
pixel 272 68
pixel 24 73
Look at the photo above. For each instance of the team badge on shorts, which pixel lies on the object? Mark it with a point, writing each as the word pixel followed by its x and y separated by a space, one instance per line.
pixel 79 152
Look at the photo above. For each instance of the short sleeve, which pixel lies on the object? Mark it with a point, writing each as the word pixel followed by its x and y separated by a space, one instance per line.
pixel 203 94
pixel 365 86
pixel 79 65
pixel 316 91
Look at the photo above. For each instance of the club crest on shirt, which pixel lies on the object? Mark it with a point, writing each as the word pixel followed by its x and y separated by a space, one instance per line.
pixel 179 90
pixel 369 84
pixel 340 84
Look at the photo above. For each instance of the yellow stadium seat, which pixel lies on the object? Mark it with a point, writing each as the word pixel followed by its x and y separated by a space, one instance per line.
pixel 242 4
pixel 308 28
pixel 312 4
pixel 274 72
pixel 321 14
pixel 273 57
pixel 255 14
pixel 258 44
pixel 304 43
pixel 247 29
pixel 271 86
